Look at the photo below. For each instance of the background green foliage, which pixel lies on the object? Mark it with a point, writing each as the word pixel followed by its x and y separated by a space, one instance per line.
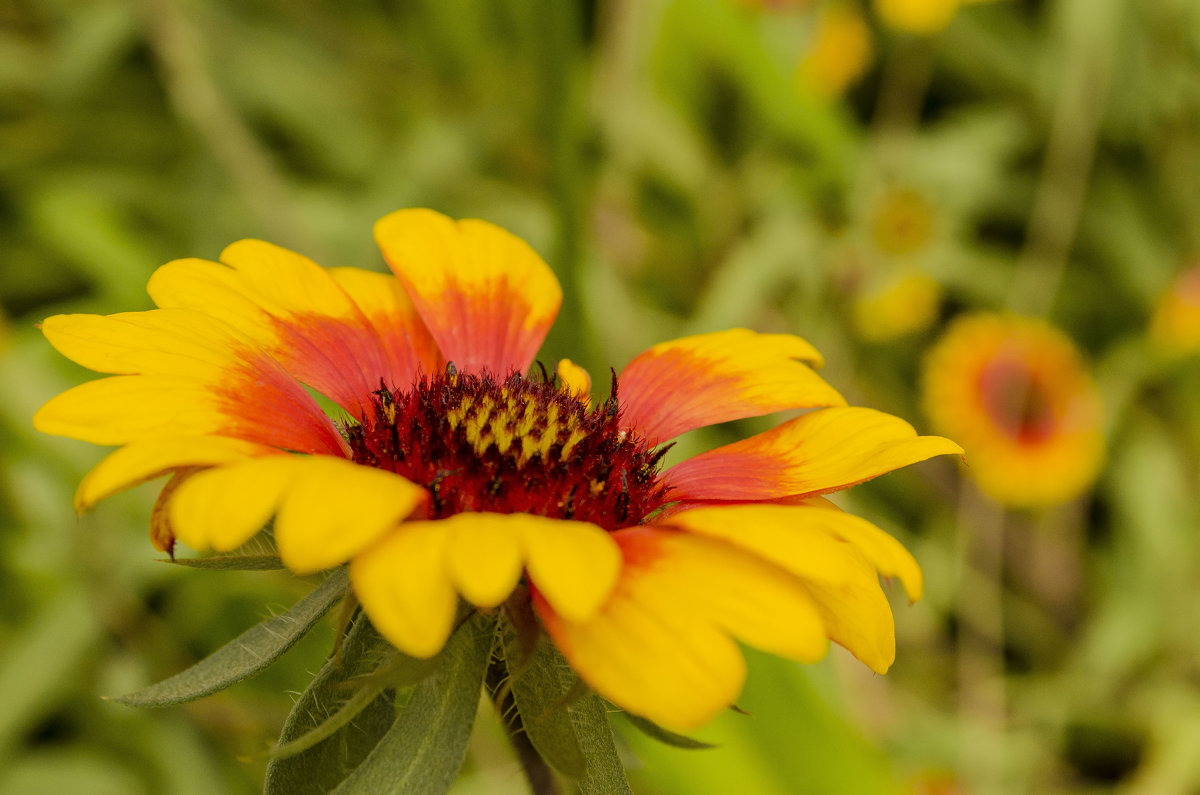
pixel 663 159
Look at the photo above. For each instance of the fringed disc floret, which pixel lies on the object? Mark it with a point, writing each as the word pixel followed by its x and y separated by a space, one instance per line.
pixel 479 443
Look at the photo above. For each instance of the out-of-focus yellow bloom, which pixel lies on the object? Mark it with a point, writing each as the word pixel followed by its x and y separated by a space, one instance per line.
pixel 903 222
pixel 903 305
pixel 840 52
pixel 1175 325
pixel 893 293
pixel 1015 393
pixel 922 17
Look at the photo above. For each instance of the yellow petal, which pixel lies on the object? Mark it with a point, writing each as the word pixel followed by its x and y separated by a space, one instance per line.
pixel 404 587
pixel 224 507
pixel 484 557
pixel 817 453
pixel 575 380
pixel 147 459
pixel 838 572
pixel 216 290
pixel 328 508
pixel 484 294
pixel 289 280
pixel 299 314
pixel 333 508
pixel 574 564
pixel 257 405
pixel 159 342
pixel 783 534
pixel 125 408
pixel 661 646
pixel 710 378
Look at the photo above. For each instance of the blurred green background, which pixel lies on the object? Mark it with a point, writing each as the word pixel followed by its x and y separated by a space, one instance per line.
pixel 684 166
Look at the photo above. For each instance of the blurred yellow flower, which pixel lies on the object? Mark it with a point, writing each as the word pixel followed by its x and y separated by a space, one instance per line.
pixel 922 17
pixel 894 242
pixel 1175 325
pixel 840 52
pixel 1014 391
pixel 903 305
pixel 903 222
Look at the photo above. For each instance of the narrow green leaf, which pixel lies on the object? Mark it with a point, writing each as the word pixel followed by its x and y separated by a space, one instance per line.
pixel 230 562
pixel 570 731
pixel 656 732
pixel 321 767
pixel 424 749
pixel 358 701
pixel 396 671
pixel 246 655
pixel 542 703
pixel 605 774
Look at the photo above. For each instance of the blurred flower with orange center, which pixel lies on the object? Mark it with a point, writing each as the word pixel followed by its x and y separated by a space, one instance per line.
pixel 1175 325
pixel 921 17
pixel 840 51
pixel 454 476
pixel 1015 391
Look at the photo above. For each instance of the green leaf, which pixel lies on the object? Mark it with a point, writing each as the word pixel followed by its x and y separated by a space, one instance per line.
pixel 424 749
pixel 605 773
pixel 572 733
pixel 246 655
pixel 231 562
pixel 322 766
pixel 542 703
pixel 654 731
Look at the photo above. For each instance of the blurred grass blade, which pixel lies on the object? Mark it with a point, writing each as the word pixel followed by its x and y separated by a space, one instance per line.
pixel 656 732
pixel 246 655
pixel 321 766
pixel 231 562
pixel 40 663
pixel 424 749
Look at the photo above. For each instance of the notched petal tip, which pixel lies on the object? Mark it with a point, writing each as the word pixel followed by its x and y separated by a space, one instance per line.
pixel 485 295
pixel 710 378
pixel 405 589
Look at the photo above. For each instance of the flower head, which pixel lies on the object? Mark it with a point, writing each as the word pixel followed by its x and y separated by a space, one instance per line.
pixel 1015 392
pixel 454 475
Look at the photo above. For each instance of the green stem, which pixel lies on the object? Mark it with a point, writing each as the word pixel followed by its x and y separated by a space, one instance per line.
pixel 537 772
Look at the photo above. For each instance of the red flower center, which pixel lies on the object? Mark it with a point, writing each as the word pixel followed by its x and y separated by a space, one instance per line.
pixel 517 445
pixel 1017 401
